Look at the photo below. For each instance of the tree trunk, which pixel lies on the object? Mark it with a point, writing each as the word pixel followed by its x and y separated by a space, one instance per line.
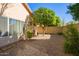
pixel 43 30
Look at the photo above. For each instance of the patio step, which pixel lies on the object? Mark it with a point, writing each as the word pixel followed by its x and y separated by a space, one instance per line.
pixel 7 47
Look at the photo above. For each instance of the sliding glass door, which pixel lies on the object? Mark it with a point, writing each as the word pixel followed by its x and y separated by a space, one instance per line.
pixel 3 25
pixel 15 26
pixel 10 26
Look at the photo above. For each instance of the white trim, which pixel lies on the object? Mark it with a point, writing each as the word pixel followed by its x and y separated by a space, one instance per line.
pixel 8 25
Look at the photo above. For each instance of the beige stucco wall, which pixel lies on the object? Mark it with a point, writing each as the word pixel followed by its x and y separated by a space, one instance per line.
pixel 49 30
pixel 54 30
pixel 16 11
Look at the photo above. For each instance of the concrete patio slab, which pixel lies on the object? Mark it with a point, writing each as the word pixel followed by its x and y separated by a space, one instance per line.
pixel 50 47
pixel 7 40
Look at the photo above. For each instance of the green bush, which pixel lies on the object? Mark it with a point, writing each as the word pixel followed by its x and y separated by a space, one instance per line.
pixel 71 44
pixel 29 34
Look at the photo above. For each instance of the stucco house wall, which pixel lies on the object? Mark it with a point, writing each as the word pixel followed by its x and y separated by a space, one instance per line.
pixel 14 16
pixel 12 21
pixel 16 11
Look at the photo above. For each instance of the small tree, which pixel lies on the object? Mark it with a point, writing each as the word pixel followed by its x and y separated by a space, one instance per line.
pixel 45 17
pixel 28 27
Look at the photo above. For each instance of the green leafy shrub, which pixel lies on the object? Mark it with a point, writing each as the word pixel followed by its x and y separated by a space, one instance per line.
pixel 71 44
pixel 29 34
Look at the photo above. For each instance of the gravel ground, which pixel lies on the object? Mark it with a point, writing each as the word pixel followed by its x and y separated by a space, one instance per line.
pixel 50 47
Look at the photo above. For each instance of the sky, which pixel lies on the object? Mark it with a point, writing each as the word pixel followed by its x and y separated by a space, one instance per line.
pixel 59 8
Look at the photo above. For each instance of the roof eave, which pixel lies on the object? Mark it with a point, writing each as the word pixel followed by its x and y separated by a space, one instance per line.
pixel 27 8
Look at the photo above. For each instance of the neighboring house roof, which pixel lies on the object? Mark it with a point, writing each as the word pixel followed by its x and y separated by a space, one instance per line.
pixel 17 11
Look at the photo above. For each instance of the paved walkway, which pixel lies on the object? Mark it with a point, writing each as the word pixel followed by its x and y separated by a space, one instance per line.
pixel 51 47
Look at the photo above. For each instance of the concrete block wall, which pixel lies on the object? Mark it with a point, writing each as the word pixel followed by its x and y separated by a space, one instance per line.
pixel 53 30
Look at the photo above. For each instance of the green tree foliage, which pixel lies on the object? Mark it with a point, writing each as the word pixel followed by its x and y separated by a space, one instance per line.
pixel 73 9
pixel 46 17
pixel 58 21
